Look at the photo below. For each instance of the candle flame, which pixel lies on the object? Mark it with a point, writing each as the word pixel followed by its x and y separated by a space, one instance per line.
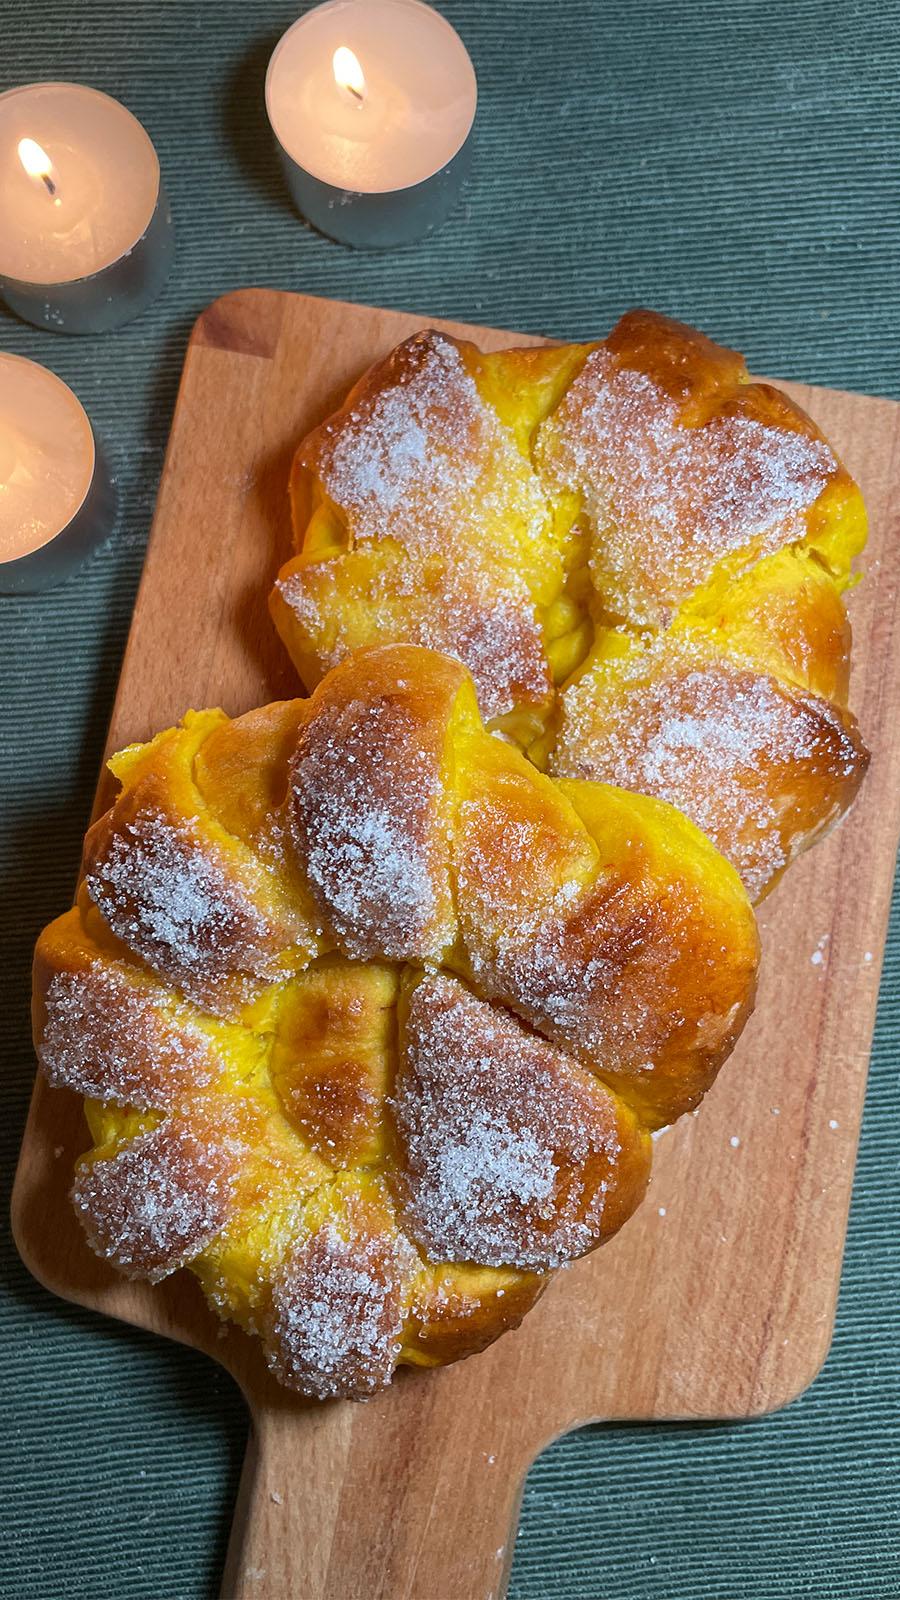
pixel 34 159
pixel 348 74
pixel 37 164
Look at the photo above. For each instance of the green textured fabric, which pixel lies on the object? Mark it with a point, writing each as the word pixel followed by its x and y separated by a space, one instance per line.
pixel 727 161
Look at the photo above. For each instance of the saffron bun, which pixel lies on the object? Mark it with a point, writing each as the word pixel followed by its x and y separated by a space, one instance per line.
pixel 373 1020
pixel 639 554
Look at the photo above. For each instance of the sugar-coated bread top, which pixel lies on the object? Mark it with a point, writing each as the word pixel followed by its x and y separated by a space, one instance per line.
pixel 638 553
pixel 375 1019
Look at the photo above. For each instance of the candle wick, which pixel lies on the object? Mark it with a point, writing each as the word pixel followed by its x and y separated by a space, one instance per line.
pixel 359 98
pixel 48 183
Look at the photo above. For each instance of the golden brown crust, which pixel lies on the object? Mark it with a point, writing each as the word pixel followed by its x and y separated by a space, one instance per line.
pixel 607 922
pixel 154 1204
pixel 332 1057
pixel 674 483
pixel 671 497
pixel 459 1310
pixel 400 482
pixel 510 1153
pixel 111 1031
pixel 365 1161
pixel 760 767
pixel 208 912
pixel 368 804
pixel 339 1295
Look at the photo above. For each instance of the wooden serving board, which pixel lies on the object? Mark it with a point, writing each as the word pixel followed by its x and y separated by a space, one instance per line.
pixel 717 1300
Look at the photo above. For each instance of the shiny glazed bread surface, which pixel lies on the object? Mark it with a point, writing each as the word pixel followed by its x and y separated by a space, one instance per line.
pixel 374 1020
pixel 639 554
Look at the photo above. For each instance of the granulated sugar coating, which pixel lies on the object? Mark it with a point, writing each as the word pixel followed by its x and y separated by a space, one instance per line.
pixel 338 1303
pixel 168 895
pixel 367 804
pixel 159 1200
pixel 113 1040
pixel 492 630
pixel 666 502
pixel 509 1147
pixel 418 467
pixel 626 960
pixel 419 446
pixel 747 759
pixel 425 455
pixel 574 975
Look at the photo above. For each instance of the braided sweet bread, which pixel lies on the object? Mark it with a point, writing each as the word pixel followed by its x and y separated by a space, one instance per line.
pixel 374 1019
pixel 638 553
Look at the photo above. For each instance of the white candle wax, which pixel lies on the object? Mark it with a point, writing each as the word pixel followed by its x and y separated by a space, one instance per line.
pixel 372 103
pixel 50 487
pixel 85 235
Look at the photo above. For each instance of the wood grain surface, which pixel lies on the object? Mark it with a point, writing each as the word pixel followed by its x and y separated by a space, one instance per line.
pixel 717 1300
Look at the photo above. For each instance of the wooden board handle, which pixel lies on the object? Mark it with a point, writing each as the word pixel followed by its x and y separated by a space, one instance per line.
pixel 368 1502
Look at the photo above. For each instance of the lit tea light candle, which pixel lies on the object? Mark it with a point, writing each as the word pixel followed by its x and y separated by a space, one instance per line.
pixel 372 103
pixel 85 230
pixel 56 498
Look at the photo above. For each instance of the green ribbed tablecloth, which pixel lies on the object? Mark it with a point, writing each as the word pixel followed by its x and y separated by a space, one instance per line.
pixel 734 163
